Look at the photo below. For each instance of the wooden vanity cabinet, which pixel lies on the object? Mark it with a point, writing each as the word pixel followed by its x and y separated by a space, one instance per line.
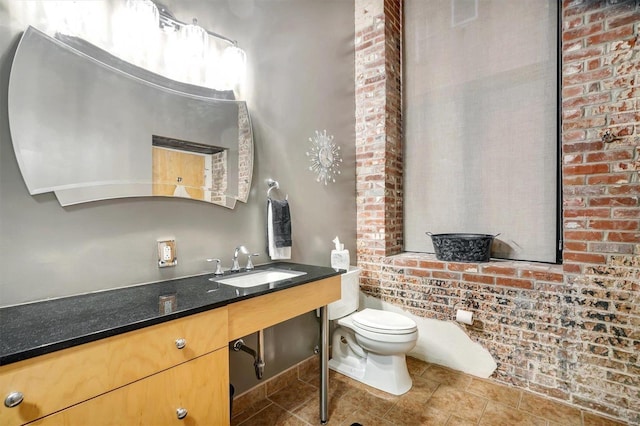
pixel 189 394
pixel 147 376
pixel 58 380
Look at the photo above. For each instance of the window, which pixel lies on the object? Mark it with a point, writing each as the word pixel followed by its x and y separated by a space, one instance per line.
pixel 481 113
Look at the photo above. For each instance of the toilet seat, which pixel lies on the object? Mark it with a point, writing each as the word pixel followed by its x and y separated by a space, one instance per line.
pixel 383 322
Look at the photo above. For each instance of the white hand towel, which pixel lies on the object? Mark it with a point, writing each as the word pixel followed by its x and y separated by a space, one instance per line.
pixel 276 253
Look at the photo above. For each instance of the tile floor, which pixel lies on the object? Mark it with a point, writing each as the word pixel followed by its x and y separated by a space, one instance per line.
pixel 439 396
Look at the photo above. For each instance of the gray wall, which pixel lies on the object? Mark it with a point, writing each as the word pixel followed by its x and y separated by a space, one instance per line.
pixel 300 79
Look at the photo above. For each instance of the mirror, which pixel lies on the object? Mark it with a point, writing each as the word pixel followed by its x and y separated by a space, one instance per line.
pixel 89 126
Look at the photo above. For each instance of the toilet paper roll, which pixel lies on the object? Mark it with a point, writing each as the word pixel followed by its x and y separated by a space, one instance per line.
pixel 464 317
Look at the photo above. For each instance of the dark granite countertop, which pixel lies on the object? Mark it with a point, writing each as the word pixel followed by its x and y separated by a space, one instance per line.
pixel 38 328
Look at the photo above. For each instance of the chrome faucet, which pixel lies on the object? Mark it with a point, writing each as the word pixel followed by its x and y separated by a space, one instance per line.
pixel 218 270
pixel 249 262
pixel 239 249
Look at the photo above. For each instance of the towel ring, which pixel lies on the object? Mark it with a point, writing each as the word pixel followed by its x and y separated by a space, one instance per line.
pixel 273 184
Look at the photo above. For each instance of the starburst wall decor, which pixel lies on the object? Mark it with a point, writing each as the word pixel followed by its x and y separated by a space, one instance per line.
pixel 325 157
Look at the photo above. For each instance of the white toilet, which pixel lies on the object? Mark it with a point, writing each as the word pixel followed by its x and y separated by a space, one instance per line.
pixel 370 345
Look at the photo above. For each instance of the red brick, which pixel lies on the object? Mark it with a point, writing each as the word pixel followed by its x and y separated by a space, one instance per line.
pixel 581 55
pixel 581 146
pixel 618 225
pixel 441 275
pixel 623 213
pixel 611 178
pixel 401 262
pixel 613 201
pixel 632 19
pixel 418 272
pixel 432 265
pixel 513 282
pixel 460 267
pixel 624 237
pixel 484 279
pixel 573 213
pixel 601 74
pixel 598 157
pixel 586 100
pixel 569 92
pixel 617 34
pixel 498 270
pixel 575 135
pixel 584 257
pixel 583 235
pixel 575 246
pixel 586 169
pixel 569 268
pixel 573 180
pixel 543 276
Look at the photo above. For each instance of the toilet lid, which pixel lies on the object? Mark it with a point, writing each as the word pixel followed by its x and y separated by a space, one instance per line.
pixel 383 322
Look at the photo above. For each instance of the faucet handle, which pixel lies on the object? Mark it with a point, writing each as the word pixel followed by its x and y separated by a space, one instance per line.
pixel 218 270
pixel 249 262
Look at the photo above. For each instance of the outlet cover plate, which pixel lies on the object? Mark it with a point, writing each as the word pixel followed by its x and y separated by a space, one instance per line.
pixel 167 253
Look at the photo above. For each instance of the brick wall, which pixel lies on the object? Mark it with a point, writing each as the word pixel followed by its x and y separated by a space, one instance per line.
pixel 569 331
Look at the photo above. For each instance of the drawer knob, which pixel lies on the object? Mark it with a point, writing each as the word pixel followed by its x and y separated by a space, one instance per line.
pixel 182 413
pixel 13 399
pixel 181 343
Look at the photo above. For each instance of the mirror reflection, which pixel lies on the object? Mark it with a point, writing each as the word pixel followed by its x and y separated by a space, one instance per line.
pixel 89 126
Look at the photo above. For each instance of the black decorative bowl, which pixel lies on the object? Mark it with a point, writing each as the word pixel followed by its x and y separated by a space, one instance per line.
pixel 462 247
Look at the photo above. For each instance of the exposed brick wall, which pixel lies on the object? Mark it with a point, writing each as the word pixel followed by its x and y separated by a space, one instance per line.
pixel 378 129
pixel 569 331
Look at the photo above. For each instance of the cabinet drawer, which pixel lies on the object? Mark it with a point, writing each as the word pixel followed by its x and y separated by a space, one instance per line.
pixel 57 380
pixel 251 315
pixel 200 386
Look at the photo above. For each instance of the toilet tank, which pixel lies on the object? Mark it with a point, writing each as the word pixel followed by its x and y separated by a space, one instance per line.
pixel 350 288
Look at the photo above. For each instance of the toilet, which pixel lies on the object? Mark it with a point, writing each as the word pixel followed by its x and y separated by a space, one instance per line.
pixel 370 345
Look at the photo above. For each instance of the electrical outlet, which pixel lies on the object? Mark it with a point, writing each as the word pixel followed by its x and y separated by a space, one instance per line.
pixel 167 253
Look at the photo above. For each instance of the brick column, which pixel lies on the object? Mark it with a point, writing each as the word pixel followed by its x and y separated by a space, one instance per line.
pixel 600 122
pixel 378 128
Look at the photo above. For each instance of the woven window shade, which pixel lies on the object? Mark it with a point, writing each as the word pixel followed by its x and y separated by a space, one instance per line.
pixel 481 125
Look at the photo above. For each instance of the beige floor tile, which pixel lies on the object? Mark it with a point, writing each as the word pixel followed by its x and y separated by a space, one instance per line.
pixel 447 376
pixel 595 420
pixel 282 380
pixel 294 395
pixel 273 415
pixel 500 414
pixel 550 410
pixel 458 421
pixel 340 410
pixel 247 400
pixel 376 405
pixel 365 418
pixel 309 368
pixel 439 396
pixel 410 413
pixel 422 387
pixel 453 400
pixel 239 417
pixel 415 366
pixel 495 392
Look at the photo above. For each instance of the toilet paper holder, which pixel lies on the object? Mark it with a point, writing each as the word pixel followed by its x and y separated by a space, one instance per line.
pixel 465 317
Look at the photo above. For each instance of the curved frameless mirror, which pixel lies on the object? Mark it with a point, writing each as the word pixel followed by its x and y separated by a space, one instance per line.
pixel 89 126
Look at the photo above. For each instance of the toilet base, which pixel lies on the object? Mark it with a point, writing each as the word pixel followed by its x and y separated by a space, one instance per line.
pixel 385 372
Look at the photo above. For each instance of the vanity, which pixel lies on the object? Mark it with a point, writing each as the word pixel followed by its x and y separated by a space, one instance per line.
pixel 113 358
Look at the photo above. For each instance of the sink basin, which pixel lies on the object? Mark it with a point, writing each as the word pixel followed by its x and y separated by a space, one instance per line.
pixel 256 278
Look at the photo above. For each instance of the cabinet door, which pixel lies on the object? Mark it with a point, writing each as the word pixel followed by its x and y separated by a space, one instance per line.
pixel 60 379
pixel 200 386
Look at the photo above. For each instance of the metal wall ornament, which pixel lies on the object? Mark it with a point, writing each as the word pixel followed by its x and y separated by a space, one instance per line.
pixel 324 156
